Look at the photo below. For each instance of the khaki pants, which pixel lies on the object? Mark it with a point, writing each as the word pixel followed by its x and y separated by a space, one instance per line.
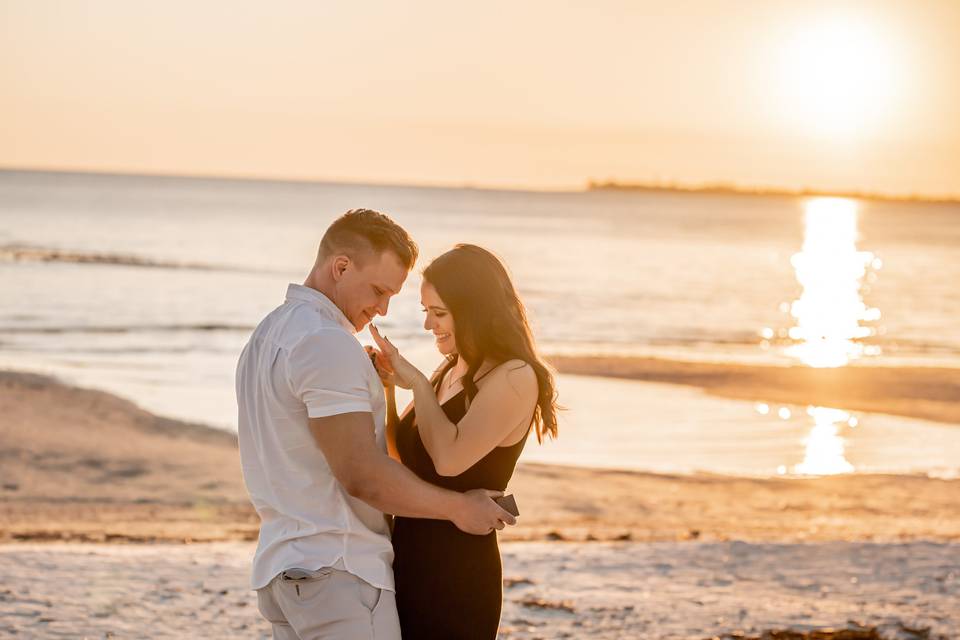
pixel 328 604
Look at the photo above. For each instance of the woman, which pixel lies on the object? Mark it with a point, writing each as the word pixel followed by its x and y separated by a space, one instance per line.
pixel 464 430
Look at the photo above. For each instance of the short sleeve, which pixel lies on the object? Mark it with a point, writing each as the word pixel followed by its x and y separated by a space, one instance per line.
pixel 328 373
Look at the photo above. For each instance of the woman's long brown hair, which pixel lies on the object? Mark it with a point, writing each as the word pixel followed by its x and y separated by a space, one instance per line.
pixel 490 323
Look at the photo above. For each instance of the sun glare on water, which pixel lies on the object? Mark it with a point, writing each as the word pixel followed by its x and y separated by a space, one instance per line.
pixel 824 447
pixel 829 312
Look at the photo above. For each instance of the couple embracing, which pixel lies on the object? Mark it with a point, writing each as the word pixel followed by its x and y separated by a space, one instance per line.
pixel 328 459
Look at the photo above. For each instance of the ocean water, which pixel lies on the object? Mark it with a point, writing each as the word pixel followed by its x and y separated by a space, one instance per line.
pixel 149 286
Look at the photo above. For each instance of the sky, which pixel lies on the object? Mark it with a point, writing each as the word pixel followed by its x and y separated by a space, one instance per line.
pixel 544 95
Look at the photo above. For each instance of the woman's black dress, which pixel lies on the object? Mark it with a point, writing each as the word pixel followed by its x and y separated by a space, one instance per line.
pixel 449 583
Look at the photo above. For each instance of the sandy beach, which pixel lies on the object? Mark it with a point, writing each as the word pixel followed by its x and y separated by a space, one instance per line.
pixel 641 555
pixel 731 229
pixel 609 591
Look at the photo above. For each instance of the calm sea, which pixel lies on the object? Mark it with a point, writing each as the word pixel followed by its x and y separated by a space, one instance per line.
pixel 176 272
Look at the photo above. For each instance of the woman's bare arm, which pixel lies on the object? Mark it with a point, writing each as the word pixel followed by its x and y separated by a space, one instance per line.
pixel 393 420
pixel 505 401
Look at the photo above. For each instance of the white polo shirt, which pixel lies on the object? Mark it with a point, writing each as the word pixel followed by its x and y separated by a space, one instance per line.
pixel 303 361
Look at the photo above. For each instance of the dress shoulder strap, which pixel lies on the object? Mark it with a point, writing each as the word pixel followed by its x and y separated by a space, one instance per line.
pixel 485 373
pixel 489 371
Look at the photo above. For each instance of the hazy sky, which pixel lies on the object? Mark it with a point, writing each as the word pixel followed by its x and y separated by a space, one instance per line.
pixel 532 94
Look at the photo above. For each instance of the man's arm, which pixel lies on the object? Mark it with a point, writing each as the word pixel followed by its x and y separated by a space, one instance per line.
pixel 348 443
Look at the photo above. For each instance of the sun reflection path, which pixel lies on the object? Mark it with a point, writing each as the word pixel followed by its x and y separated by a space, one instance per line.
pixel 824 447
pixel 829 312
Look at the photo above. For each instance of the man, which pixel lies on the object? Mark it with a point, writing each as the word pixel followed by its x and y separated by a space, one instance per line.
pixel 311 430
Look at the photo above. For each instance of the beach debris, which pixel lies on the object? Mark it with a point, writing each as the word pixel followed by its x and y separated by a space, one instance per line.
pixel 28 253
pixel 530 624
pixel 516 582
pixel 534 602
pixel 555 535
pixel 853 631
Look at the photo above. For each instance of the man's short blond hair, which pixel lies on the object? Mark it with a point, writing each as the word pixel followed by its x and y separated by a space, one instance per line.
pixel 361 232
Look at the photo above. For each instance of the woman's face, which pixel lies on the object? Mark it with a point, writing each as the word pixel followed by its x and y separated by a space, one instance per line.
pixel 438 319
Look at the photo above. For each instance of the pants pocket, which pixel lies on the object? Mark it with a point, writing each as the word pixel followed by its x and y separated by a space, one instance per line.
pixel 369 595
pixel 296 575
pixel 305 583
pixel 268 606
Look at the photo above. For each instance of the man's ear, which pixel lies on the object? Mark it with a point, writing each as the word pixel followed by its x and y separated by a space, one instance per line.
pixel 338 265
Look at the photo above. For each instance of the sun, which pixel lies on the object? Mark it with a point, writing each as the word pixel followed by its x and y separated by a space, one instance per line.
pixel 838 77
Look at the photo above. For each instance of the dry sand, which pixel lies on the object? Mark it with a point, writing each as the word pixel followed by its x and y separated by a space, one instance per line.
pixel 82 465
pixel 78 464
pixel 604 591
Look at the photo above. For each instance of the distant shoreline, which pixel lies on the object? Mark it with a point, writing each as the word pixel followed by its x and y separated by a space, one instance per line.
pixel 725 189
pixel 590 186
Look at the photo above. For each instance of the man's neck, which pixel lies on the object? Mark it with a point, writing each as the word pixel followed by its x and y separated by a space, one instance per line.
pixel 326 288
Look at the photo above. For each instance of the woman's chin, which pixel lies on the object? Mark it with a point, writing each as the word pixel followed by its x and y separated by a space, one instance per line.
pixel 446 350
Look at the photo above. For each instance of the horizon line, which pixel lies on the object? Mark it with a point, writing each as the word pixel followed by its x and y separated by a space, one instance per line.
pixel 589 185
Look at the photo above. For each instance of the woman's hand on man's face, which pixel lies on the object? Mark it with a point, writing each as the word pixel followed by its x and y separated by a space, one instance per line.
pixel 404 373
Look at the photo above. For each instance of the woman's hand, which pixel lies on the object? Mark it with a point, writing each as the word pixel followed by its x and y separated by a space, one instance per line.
pixel 404 373
pixel 382 365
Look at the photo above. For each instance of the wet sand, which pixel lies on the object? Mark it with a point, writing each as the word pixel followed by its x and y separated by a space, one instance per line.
pixel 927 393
pixel 84 465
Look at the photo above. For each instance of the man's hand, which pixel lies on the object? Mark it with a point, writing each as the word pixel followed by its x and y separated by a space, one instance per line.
pixel 479 514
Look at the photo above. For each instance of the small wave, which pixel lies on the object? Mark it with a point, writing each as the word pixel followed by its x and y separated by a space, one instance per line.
pixel 891 346
pixel 616 341
pixel 61 352
pixel 27 253
pixel 144 328
pixel 702 341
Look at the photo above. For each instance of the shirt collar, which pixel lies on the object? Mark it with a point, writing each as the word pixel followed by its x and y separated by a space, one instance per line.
pixel 307 294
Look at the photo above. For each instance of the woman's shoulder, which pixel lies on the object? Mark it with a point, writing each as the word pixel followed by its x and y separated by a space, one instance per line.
pixel 518 374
